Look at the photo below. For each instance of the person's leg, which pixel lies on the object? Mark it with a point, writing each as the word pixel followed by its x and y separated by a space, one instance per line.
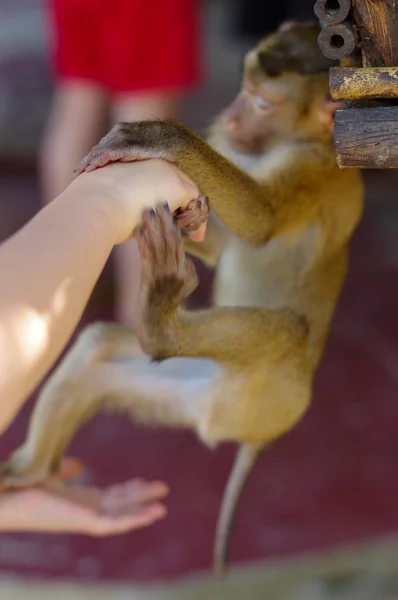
pixel 76 123
pixel 135 107
pixel 78 114
pixel 155 57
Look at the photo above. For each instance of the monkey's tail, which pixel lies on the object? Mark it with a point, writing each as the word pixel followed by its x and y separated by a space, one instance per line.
pixel 244 462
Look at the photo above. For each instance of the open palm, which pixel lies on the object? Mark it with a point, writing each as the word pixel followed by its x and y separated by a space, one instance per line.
pixel 58 507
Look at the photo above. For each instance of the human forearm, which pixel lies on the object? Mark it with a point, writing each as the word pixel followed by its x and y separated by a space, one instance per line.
pixel 48 269
pixel 47 272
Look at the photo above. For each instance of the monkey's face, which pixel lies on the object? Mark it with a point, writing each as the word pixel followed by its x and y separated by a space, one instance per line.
pixel 278 78
pixel 249 120
pixel 263 111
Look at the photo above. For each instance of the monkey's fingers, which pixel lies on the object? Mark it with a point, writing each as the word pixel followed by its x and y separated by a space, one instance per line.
pixel 168 245
pixel 172 261
pixel 147 249
pixel 164 265
pixel 157 223
pixel 116 147
pixel 193 217
pixel 160 244
pixel 99 157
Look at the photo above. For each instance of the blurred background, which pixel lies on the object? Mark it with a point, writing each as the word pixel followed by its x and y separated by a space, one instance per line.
pixel 320 513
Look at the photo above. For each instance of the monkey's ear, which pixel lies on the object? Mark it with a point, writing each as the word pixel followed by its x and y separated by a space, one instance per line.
pixel 326 113
pixel 288 25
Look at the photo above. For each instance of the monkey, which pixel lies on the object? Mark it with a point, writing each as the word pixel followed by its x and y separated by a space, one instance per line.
pixel 278 234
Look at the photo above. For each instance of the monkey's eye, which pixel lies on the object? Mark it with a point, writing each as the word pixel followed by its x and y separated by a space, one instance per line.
pixel 260 103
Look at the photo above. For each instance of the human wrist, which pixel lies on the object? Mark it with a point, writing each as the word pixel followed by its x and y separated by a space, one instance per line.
pixel 102 206
pixel 122 191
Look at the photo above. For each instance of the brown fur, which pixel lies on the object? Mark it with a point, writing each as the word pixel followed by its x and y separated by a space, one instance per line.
pixel 283 216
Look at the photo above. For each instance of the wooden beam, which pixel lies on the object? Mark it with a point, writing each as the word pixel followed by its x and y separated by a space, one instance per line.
pixel 366 138
pixel 363 84
pixel 377 22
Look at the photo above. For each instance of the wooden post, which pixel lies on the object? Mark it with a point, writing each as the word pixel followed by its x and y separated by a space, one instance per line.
pixel 366 129
pixel 377 23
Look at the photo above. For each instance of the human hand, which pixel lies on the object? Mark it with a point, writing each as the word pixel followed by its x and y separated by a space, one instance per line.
pixel 137 186
pixel 56 507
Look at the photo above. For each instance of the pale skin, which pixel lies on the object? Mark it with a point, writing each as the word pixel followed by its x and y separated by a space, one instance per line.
pixel 72 239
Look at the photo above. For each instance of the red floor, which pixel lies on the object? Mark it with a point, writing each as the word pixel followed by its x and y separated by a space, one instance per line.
pixel 332 480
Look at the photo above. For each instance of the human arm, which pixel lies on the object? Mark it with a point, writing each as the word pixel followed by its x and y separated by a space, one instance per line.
pixel 49 268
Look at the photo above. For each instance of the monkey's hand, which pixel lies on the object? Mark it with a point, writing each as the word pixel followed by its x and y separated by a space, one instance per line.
pixel 193 216
pixel 140 140
pixel 129 142
pixel 167 277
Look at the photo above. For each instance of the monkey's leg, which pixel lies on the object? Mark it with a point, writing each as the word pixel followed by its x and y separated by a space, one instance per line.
pixel 106 370
pixel 58 408
pixel 235 336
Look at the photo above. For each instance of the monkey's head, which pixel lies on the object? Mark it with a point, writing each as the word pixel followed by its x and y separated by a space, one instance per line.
pixel 285 91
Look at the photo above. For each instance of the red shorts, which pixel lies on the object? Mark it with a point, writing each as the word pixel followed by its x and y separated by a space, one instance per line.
pixel 128 45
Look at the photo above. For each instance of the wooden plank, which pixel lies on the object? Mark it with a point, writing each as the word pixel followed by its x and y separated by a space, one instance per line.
pixel 377 22
pixel 367 138
pixel 361 84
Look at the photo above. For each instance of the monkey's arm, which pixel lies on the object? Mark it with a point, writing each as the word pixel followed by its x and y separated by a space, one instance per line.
pixel 242 203
pixel 221 333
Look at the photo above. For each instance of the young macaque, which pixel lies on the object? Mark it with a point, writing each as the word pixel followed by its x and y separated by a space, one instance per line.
pixel 279 231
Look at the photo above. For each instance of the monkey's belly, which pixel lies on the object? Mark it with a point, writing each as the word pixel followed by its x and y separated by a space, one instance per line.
pixel 256 281
pixel 271 275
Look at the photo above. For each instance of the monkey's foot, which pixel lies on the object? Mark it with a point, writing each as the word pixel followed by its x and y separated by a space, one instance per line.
pixel 19 471
pixel 168 276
